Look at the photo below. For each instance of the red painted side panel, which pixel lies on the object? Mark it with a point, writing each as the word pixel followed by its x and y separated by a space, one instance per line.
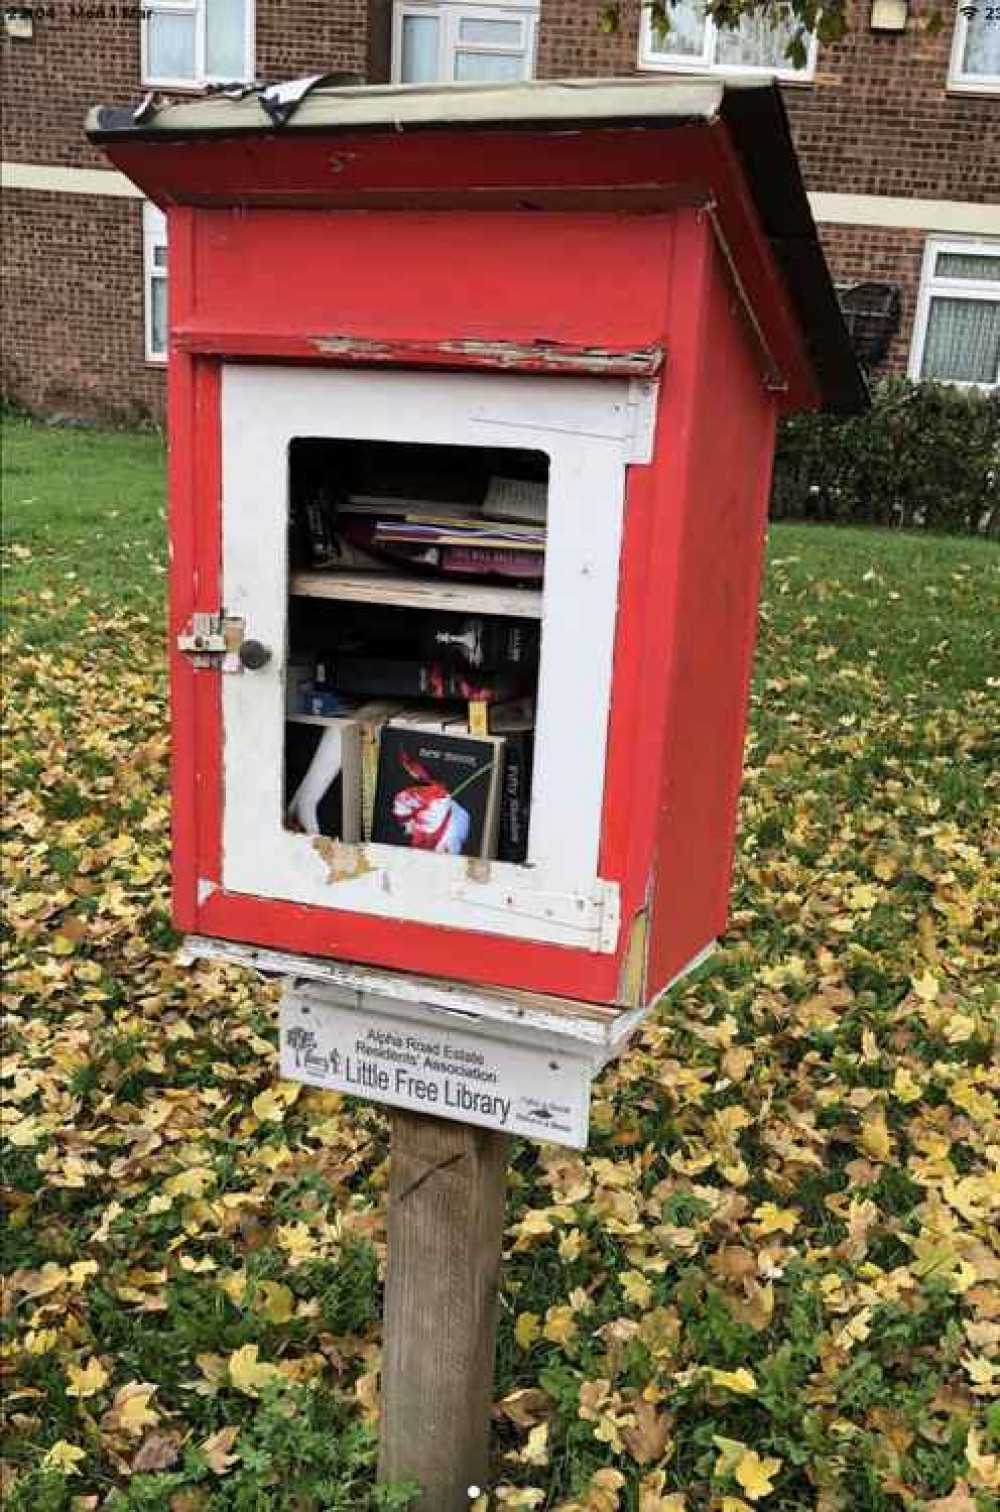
pixel 715 506
pixel 656 512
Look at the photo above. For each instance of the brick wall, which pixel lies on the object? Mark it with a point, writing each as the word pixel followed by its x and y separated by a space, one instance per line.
pixel 73 321
pixel 859 253
pixel 50 82
pixel 572 44
pixel 876 119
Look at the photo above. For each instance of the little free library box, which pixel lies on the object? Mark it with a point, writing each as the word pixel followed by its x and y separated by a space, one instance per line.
pixel 472 405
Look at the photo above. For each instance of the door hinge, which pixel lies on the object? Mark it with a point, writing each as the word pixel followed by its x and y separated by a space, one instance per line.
pixel 213 640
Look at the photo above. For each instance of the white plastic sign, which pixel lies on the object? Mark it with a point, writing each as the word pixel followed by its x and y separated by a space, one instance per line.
pixel 434 1065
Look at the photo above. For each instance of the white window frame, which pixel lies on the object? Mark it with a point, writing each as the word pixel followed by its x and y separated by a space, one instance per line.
pixel 154 236
pixel 197 8
pixel 935 286
pixel 449 17
pixel 663 62
pixel 958 80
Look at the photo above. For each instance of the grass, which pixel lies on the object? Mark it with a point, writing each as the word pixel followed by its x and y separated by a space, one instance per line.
pixel 83 510
pixel 772 1281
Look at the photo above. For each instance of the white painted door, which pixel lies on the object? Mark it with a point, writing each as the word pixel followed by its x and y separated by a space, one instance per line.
pixel 590 429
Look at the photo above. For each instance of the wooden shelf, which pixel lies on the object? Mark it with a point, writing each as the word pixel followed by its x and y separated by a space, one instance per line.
pixel 418 593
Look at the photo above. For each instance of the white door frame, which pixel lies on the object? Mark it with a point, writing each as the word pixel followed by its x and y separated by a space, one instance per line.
pixel 587 427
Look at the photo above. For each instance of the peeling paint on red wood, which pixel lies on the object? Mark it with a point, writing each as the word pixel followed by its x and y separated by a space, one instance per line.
pixel 534 357
pixel 508 356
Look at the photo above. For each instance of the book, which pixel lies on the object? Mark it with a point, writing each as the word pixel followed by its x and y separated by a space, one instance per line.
pixel 516 721
pixel 514 714
pixel 437 792
pixel 461 533
pixel 516 499
pixel 486 561
pixel 478 641
pixel 323 778
pixel 371 717
pixel 377 677
pixel 409 507
pixel 436 717
pixel 515 796
pixel 324 704
pixel 358 534
pixel 472 557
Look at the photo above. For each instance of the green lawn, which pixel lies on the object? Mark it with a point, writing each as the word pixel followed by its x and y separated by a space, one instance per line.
pixel 772 1283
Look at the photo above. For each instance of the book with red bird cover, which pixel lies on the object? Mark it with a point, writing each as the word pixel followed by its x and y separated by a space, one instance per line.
pixel 438 792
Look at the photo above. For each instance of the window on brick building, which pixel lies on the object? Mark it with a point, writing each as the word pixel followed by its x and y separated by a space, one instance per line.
pixel 189 42
pixel 956 336
pixel 975 53
pixel 446 42
pixel 154 277
pixel 694 43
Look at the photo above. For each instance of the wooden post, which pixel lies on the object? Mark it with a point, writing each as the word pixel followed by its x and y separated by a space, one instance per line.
pixel 445 1222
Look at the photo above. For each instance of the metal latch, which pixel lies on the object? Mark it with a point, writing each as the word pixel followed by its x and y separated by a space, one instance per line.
pixel 213 640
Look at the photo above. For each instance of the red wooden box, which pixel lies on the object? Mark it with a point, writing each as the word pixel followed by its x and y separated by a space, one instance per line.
pixel 620 279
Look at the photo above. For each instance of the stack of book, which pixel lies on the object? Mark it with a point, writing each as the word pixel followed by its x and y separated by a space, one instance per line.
pixel 431 750
pixel 500 536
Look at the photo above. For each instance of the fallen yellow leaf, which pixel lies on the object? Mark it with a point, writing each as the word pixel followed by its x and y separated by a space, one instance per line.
pixel 536 1450
pixel 39 1341
pixel 132 1410
pixel 756 1475
pixel 86 1380
pixel 65 1457
pixel 742 1381
pixel 876 1140
pixel 653 1498
pixel 217 1450
pixel 269 1106
pixel 637 1289
pixel 527 1329
pixel 772 1219
pixel 560 1325
pixel 275 1301
pixel 925 986
pixel 247 1373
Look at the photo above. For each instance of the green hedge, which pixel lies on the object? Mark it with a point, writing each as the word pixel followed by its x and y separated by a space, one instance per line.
pixel 925 456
